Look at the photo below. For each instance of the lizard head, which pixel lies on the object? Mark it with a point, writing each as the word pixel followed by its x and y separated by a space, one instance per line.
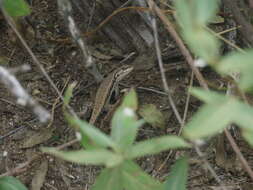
pixel 122 72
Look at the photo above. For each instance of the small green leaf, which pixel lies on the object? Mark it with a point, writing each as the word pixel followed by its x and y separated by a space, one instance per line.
pixel 125 127
pixel 217 20
pixel 152 115
pixel 94 157
pixel 69 93
pixel 109 179
pixel 178 176
pixel 239 63
pixel 16 8
pixel 91 136
pixel 156 145
pixel 11 183
pixel 248 136
pixel 130 100
pixel 135 179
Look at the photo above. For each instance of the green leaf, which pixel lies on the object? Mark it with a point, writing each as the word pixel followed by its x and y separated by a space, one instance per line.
pixel 211 118
pixel 156 145
pixel 152 115
pixel 16 8
pixel 91 136
pixel 193 17
pixel 237 62
pixel 108 179
pixel 94 157
pixel 178 176
pixel 203 44
pixel 130 100
pixel 204 11
pixel 135 179
pixel 125 127
pixel 248 136
pixel 208 96
pixel 11 183
pixel 196 13
pixel 69 93
pixel 217 114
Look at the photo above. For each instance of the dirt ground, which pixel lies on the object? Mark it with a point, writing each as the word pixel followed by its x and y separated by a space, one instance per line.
pixel 64 64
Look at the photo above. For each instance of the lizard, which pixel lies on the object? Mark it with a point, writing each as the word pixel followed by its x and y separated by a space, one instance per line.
pixel 106 88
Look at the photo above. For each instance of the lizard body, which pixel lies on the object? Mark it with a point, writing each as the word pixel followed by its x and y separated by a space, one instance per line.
pixel 106 88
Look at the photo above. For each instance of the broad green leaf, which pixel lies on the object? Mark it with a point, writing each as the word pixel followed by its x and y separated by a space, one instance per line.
pixel 203 44
pixel 204 10
pixel 239 63
pixel 109 179
pixel 178 176
pixel 195 13
pixel 130 100
pixel 248 136
pixel 239 112
pixel 193 17
pixel 184 14
pixel 152 115
pixel 125 127
pixel 208 96
pixel 16 8
pixel 209 120
pixel 156 145
pixel 243 115
pixel 11 183
pixel 217 114
pixel 94 157
pixel 135 179
pixel 91 136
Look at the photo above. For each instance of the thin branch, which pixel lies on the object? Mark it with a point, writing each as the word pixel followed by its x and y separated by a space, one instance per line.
pixel 187 101
pixel 23 98
pixel 239 154
pixel 180 44
pixel 209 167
pixel 162 71
pixel 66 9
pixel 36 61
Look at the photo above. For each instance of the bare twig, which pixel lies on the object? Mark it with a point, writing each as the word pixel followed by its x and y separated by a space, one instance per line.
pixel 180 44
pixel 209 167
pixel 23 98
pixel 159 57
pixel 21 167
pixel 187 101
pixel 239 154
pixel 66 9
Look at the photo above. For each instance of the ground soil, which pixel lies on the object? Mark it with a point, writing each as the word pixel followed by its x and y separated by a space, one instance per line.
pixel 64 64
